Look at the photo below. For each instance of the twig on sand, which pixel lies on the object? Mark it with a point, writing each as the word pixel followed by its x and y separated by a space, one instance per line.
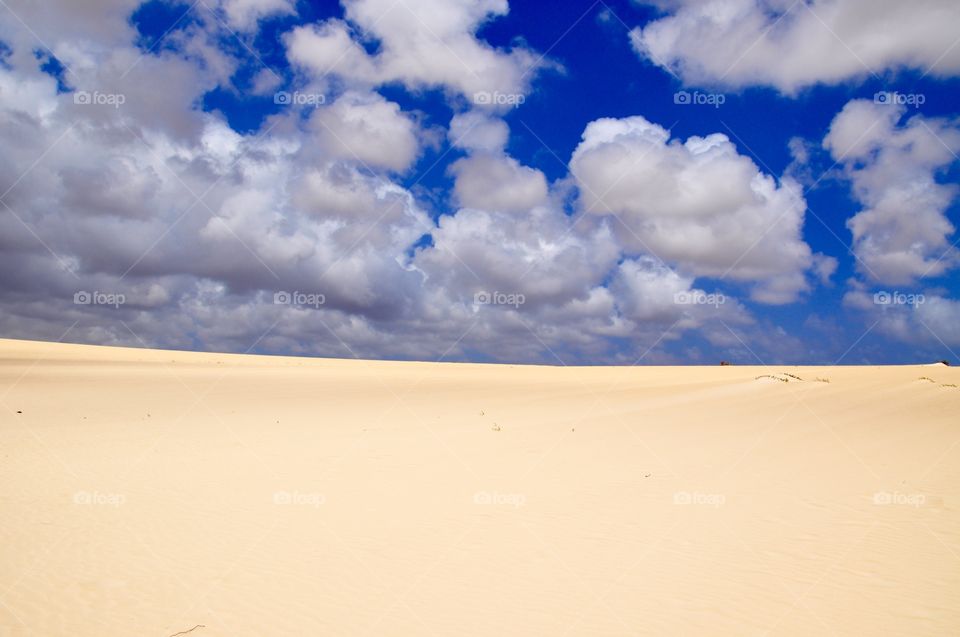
pixel 184 632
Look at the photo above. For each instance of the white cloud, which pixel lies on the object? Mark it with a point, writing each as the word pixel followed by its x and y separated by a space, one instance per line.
pixel 94 26
pixel 923 319
pixel 312 201
pixel 940 319
pixel 791 44
pixel 328 48
pixel 497 182
pixel 902 233
pixel 534 253
pixel 699 205
pixel 367 128
pixel 284 208
pixel 244 14
pixel 648 291
pixel 422 44
pixel 477 131
pixel 265 82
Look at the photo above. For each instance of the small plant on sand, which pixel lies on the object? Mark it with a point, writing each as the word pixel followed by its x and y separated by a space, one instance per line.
pixel 927 378
pixel 792 376
pixel 948 385
pixel 822 380
pixel 495 427
pixel 782 380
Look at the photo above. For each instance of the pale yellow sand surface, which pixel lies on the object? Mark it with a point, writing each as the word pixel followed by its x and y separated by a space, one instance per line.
pixel 147 493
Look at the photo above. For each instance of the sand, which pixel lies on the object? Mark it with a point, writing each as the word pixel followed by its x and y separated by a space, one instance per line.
pixel 149 493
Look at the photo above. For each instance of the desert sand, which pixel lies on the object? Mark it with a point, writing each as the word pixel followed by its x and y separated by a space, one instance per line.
pixel 150 493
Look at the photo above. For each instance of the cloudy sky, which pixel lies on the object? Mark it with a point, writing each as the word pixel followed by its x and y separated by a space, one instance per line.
pixel 609 182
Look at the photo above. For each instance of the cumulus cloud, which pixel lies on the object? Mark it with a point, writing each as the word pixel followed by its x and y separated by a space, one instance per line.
pixel 921 318
pixel 940 316
pixel 578 293
pixel 790 45
pixel 535 254
pixel 367 128
pixel 199 225
pixel 421 44
pixel 499 183
pixel 477 131
pixel 902 233
pixel 698 204
pixel 244 14
pixel 69 28
pixel 648 291
pixel 153 194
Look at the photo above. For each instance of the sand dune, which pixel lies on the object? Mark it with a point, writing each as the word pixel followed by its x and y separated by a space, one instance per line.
pixel 150 493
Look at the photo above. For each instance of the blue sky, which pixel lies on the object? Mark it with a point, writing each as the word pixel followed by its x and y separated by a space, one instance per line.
pixel 583 204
